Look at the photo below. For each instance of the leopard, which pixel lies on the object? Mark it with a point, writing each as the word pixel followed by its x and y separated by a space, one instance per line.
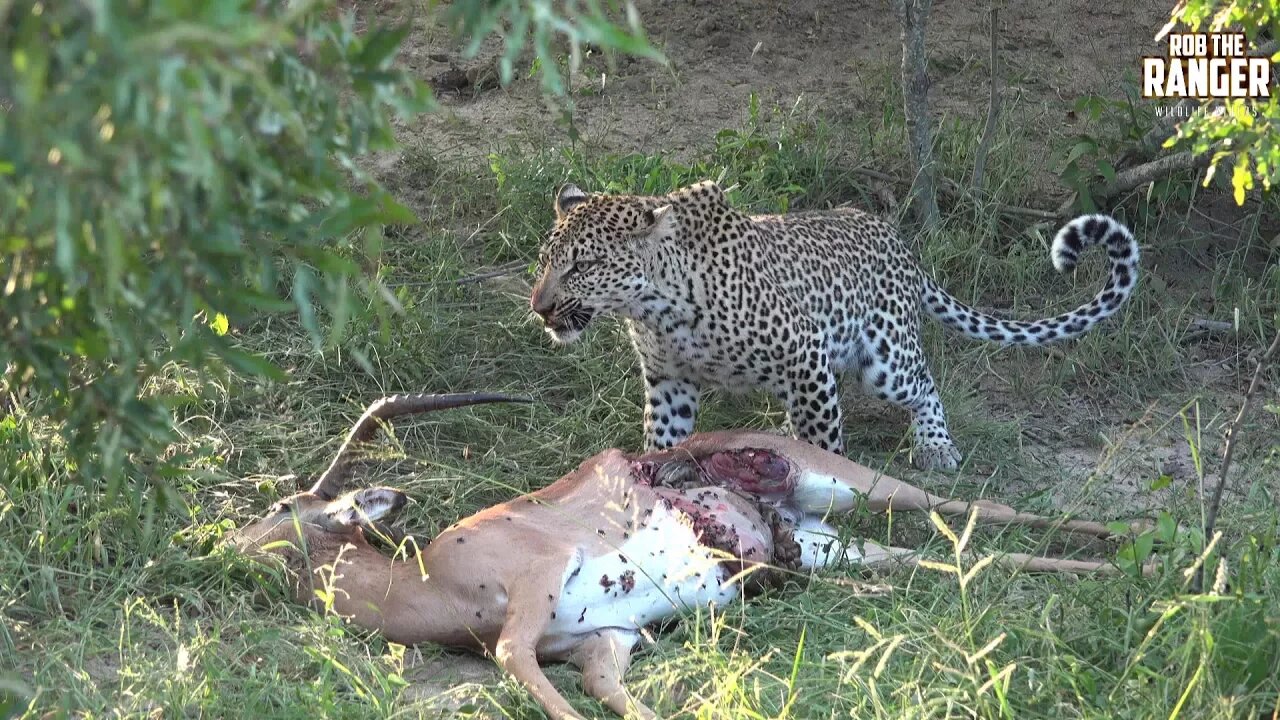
pixel 713 297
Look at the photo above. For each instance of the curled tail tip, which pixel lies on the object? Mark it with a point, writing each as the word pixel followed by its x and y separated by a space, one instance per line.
pixel 1078 234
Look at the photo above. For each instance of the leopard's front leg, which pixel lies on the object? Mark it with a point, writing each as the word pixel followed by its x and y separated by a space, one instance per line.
pixel 670 408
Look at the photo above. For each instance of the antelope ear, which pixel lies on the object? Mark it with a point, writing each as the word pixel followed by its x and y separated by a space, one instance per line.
pixel 366 506
pixel 657 222
pixel 568 197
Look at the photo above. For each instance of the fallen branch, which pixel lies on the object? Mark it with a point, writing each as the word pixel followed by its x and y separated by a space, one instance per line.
pixel 1203 327
pixel 884 194
pixel 993 108
pixel 1211 517
pixel 947 187
pixel 1127 180
pixel 1024 211
pixel 1210 326
pixel 499 271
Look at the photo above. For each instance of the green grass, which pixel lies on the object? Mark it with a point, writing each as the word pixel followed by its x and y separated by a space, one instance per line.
pixel 103 619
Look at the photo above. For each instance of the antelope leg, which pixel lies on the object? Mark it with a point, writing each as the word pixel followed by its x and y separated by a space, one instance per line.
pixel 1031 563
pixel 815 469
pixel 883 492
pixel 522 664
pixel 529 607
pixel 604 659
pixel 875 555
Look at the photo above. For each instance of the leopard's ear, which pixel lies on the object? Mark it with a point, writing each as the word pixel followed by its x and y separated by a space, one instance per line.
pixel 656 223
pixel 568 197
pixel 704 192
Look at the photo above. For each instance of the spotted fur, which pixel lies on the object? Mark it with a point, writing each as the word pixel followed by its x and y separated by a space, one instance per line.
pixel 714 297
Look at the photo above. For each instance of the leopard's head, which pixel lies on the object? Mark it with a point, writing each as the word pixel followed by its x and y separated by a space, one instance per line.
pixel 597 259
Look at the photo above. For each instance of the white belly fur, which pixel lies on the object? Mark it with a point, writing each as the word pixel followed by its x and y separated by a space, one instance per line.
pixel 665 569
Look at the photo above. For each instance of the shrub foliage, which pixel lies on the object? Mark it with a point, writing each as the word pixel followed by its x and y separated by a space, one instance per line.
pixel 166 170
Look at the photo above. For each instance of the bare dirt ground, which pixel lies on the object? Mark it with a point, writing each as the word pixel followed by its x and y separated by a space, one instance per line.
pixel 820 53
pixel 446 683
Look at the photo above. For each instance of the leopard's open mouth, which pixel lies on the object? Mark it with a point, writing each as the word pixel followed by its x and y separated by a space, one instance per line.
pixel 566 327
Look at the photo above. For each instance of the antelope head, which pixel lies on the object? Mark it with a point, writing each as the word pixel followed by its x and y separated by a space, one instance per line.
pixel 316 525
pixel 309 524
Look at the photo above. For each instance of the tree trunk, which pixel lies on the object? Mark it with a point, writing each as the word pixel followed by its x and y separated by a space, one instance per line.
pixel 914 17
pixel 993 108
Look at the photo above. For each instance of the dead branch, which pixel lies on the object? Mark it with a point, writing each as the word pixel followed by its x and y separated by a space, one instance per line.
pixel 1166 126
pixel 947 187
pixel 500 271
pixel 1210 326
pixel 1127 180
pixel 993 107
pixel 884 194
pixel 913 15
pixel 1211 517
pixel 1204 327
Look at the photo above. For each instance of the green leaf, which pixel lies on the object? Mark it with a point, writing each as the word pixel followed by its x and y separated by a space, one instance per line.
pixel 381 45
pixel 262 301
pixel 396 213
pixel 1143 545
pixel 1081 148
pixel 600 31
pixel 219 324
pixel 251 364
pixel 1107 170
pixel 1119 528
pixel 363 212
pixel 1166 527
pixel 1241 178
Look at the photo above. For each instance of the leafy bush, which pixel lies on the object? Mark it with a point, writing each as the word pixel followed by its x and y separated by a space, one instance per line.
pixel 1115 127
pixel 171 169
pixel 1247 132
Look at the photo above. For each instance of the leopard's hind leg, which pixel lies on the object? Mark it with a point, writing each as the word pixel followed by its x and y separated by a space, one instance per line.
pixel 893 368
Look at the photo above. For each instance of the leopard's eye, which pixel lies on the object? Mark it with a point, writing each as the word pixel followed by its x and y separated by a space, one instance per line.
pixel 583 265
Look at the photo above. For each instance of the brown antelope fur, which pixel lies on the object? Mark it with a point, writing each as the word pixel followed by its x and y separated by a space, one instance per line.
pixel 573 571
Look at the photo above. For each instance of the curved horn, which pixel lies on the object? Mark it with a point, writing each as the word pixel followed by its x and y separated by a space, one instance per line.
pixel 330 483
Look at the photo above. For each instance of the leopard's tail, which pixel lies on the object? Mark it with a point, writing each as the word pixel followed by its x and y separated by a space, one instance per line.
pixel 1074 238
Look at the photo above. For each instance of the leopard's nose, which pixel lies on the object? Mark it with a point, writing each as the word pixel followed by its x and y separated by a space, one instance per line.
pixel 541 303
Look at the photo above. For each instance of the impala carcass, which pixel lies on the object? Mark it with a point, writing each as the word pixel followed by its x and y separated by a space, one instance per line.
pixel 575 570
